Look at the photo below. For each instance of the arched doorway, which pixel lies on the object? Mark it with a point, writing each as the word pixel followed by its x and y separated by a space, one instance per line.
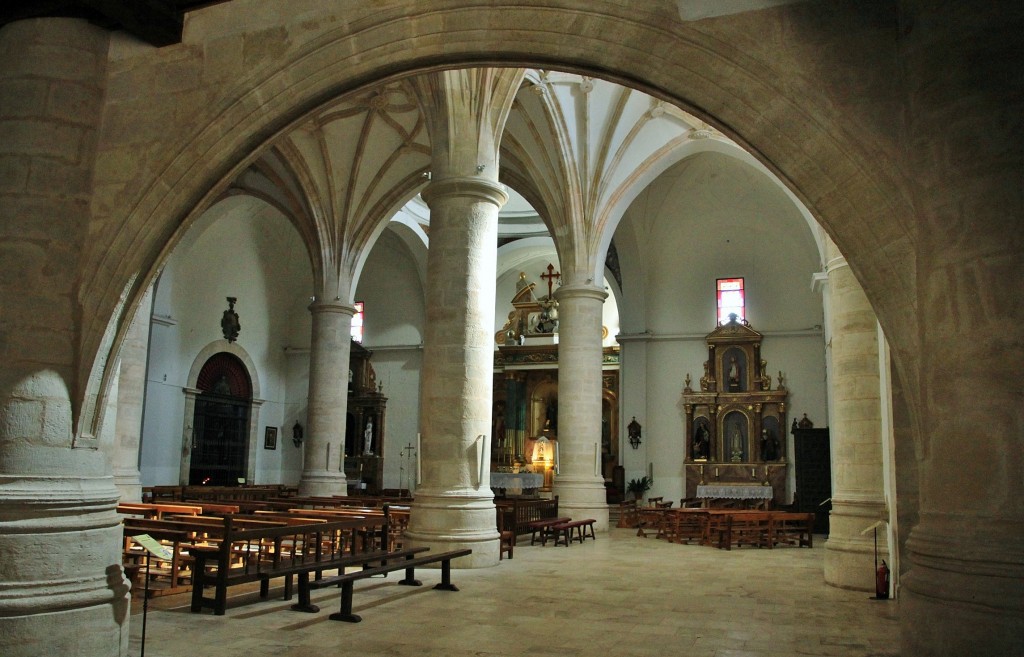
pixel 220 438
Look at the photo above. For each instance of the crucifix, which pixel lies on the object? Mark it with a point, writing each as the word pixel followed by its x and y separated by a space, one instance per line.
pixel 551 276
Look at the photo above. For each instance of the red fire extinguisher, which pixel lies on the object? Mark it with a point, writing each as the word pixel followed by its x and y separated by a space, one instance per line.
pixel 882 582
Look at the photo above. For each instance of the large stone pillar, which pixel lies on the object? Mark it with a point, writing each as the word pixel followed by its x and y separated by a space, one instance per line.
pixel 131 388
pixel 580 482
pixel 454 505
pixel 855 430
pixel 323 467
pixel 964 591
pixel 62 590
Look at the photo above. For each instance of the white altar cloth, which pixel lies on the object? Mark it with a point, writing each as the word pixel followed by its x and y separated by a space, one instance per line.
pixel 735 492
pixel 513 481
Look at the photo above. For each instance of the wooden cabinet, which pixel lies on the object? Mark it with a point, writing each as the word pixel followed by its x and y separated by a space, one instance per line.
pixel 812 460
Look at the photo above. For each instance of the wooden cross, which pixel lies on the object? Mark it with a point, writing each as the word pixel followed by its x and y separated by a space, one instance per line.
pixel 551 276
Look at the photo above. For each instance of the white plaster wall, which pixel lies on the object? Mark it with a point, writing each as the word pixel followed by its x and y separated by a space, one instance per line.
pixel 712 216
pixel 243 249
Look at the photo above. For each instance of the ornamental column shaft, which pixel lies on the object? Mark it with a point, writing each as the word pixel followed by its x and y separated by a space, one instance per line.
pixel 62 589
pixel 131 387
pixel 580 482
pixel 465 113
pixel 855 431
pixel 964 591
pixel 323 466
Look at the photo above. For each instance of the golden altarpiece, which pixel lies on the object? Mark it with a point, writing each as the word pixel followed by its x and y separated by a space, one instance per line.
pixel 525 414
pixel 735 421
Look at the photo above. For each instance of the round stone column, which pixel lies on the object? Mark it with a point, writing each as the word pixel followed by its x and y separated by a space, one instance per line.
pixel 62 590
pixel 855 431
pixel 580 483
pixel 454 505
pixel 964 591
pixel 323 466
pixel 131 388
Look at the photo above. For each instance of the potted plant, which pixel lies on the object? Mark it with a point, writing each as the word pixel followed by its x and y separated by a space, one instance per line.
pixel 639 486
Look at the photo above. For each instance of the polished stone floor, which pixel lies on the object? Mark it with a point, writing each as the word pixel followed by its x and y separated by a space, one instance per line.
pixel 620 596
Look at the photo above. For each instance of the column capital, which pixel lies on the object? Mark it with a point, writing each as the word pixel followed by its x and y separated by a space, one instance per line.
pixel 581 291
pixel 339 307
pixel 478 188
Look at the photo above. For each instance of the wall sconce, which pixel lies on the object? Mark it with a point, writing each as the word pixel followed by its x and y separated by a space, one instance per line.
pixel 634 433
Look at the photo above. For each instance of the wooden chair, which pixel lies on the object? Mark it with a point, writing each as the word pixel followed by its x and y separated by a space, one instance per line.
pixel 506 533
pixel 627 514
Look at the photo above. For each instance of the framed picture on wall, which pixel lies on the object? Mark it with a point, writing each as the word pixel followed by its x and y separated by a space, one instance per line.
pixel 270 438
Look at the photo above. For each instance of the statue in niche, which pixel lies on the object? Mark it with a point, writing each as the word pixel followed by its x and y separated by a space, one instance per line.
pixel 551 416
pixel 368 438
pixel 736 445
pixel 769 445
pixel 701 443
pixel 734 374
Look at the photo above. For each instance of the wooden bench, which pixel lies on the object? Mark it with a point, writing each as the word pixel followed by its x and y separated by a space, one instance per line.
pixel 544 528
pixel 409 565
pixel 573 530
pixel 273 551
pixel 747 529
pixel 793 529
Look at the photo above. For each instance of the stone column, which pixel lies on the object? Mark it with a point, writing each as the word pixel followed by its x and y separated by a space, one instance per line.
pixel 454 507
pixel 131 390
pixel 62 590
pixel 323 467
pixel 962 593
pixel 855 430
pixel 580 483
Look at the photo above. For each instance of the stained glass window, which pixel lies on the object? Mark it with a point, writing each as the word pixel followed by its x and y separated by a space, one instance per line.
pixel 730 299
pixel 357 323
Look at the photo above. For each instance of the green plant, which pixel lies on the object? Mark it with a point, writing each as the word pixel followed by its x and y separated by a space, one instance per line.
pixel 639 486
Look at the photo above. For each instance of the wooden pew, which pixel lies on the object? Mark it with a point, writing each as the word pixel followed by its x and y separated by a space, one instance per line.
pixel 750 528
pixel 526 511
pixel 409 565
pixel 793 529
pixel 310 548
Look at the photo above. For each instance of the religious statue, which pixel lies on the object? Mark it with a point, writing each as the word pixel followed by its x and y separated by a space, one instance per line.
pixel 229 323
pixel 701 444
pixel 769 446
pixel 705 380
pixel 368 437
pixel 736 445
pixel 734 372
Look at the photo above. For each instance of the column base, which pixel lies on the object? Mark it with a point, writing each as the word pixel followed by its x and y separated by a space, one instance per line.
pixel 583 497
pixel 446 521
pixel 849 553
pixel 323 484
pixel 963 594
pixel 63 590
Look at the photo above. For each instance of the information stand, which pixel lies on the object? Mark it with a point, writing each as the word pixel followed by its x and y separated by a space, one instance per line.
pixel 153 548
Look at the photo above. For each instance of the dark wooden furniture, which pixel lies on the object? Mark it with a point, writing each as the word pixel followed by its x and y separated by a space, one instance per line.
pixel 408 564
pixel 263 553
pixel 526 511
pixel 812 458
